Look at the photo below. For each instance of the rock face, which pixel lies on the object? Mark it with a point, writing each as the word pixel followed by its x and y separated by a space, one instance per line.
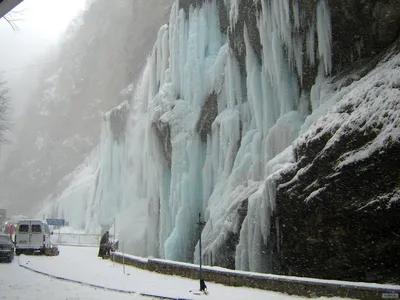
pixel 339 208
pixel 225 257
pixel 349 213
pixel 163 132
pixel 208 115
pixel 345 186
pixel 118 118
pixel 362 28
pixel 337 218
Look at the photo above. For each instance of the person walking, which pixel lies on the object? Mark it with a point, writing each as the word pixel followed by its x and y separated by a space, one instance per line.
pixel 11 230
pixel 104 248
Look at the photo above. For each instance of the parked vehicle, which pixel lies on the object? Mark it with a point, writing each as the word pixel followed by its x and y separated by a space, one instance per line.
pixel 6 248
pixel 32 237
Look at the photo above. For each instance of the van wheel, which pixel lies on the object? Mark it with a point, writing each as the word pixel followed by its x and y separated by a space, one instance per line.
pixel 18 252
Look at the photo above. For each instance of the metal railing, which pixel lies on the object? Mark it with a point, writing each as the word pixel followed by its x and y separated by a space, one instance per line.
pixel 77 239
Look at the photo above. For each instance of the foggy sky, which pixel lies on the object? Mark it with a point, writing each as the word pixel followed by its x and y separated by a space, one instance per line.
pixel 40 24
pixel 32 173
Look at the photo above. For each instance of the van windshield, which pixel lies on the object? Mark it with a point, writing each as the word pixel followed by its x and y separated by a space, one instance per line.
pixel 23 228
pixel 36 228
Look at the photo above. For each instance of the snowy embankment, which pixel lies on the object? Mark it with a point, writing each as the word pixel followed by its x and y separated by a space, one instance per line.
pixel 83 265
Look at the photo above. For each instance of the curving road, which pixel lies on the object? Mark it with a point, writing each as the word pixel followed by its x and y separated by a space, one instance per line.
pixel 19 283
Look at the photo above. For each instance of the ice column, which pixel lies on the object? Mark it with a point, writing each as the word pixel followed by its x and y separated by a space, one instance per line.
pixel 324 32
pixel 196 64
pixel 276 116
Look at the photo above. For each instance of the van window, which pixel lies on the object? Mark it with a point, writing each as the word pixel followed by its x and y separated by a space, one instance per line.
pixel 47 229
pixel 36 228
pixel 23 228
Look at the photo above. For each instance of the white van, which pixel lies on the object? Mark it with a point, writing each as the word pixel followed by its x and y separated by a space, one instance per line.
pixel 32 236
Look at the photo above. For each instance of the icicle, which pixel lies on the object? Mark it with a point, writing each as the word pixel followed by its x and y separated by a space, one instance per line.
pixel 324 31
pixel 310 43
pixel 234 12
pixel 296 14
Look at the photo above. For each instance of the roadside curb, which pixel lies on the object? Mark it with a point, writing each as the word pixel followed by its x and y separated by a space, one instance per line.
pixel 303 287
pixel 95 285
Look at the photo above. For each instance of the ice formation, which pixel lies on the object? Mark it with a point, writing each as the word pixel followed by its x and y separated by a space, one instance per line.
pixel 162 173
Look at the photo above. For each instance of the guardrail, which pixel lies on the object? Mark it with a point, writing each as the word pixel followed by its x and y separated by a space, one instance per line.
pixel 305 287
pixel 76 239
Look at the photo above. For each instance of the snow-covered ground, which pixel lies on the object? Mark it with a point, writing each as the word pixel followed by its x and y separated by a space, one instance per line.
pixel 19 283
pixel 82 264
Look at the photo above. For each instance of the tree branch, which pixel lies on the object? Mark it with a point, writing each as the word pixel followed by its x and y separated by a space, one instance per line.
pixel 12 18
pixel 4 111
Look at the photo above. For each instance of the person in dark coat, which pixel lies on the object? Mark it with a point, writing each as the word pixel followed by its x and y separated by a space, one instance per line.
pixel 104 249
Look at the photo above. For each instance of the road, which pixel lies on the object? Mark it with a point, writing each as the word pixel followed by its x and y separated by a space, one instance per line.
pixel 20 283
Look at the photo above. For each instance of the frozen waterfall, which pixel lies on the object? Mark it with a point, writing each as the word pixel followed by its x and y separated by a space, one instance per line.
pixel 201 137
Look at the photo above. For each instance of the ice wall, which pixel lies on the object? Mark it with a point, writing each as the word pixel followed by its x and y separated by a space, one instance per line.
pixel 162 173
pixel 76 203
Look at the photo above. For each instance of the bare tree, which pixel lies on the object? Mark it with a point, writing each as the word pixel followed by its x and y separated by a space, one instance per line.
pixel 13 17
pixel 4 111
pixel 12 24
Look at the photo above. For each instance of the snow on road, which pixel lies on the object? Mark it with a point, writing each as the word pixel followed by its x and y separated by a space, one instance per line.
pixel 82 264
pixel 19 283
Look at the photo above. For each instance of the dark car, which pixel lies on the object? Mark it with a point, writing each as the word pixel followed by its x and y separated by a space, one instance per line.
pixel 6 248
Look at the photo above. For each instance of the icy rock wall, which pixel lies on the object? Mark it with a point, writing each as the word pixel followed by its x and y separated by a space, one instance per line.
pixel 76 203
pixel 345 184
pixel 209 132
pixel 228 89
pixel 193 80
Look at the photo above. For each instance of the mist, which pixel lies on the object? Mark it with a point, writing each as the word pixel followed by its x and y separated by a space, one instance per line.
pixel 26 43
pixel 23 50
pixel 61 81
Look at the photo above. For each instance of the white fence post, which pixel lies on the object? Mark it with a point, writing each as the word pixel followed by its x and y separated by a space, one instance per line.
pixel 123 256
pixel 114 244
